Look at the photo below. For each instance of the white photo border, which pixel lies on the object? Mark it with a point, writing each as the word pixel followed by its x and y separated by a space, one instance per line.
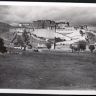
pixel 56 92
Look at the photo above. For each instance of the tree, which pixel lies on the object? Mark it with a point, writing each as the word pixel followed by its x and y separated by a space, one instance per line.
pixel 81 32
pixel 48 45
pixel 20 41
pixel 82 45
pixel 2 47
pixel 67 23
pixel 74 47
pixel 26 39
pixel 91 47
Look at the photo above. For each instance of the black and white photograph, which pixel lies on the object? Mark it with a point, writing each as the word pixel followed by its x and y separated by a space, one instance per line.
pixel 47 46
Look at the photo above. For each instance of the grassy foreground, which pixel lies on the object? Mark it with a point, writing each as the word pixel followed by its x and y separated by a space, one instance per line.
pixel 48 70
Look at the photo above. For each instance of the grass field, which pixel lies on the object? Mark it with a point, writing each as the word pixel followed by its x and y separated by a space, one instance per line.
pixel 48 70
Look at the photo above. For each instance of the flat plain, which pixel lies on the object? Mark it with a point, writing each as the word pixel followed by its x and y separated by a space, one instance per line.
pixel 48 70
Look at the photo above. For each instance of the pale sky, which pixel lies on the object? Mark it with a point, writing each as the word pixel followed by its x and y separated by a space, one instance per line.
pixel 75 15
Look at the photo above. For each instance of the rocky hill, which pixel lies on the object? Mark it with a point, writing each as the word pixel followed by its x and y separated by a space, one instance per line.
pixel 4 27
